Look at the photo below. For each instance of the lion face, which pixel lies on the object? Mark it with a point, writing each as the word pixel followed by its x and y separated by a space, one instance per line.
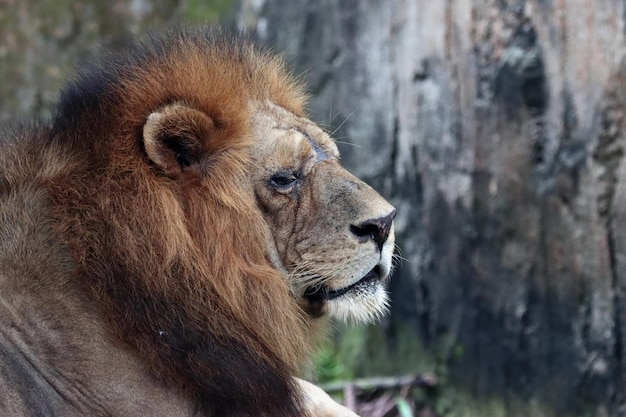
pixel 332 234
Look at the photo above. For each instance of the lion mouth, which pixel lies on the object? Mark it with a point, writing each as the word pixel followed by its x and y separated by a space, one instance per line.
pixel 323 294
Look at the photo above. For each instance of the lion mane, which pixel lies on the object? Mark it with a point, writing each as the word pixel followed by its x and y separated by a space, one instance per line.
pixel 173 260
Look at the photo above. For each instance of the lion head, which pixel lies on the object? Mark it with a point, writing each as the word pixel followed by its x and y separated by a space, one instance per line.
pixel 331 234
pixel 210 221
pixel 328 232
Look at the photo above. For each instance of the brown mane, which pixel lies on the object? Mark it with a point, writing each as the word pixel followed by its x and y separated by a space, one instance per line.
pixel 178 268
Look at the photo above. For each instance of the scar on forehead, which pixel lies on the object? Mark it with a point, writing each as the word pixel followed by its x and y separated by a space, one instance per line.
pixel 320 152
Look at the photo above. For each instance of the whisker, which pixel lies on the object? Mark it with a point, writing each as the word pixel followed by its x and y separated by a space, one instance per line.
pixel 325 127
pixel 398 253
pixel 400 258
pixel 312 275
pixel 344 121
pixel 330 113
pixel 351 144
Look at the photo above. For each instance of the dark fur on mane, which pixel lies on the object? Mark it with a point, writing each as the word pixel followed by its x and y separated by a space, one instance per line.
pixel 177 268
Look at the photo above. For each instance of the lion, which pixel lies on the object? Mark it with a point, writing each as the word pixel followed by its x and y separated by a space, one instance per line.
pixel 175 237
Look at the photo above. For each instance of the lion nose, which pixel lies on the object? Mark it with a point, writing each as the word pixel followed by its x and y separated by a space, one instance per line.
pixel 376 229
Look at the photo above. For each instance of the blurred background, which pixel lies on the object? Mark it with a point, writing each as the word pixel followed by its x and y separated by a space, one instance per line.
pixel 496 127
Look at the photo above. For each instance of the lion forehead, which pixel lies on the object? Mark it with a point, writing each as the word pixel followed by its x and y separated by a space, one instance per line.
pixel 289 138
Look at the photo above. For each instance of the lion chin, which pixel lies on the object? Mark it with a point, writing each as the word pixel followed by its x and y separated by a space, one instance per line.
pixel 362 301
pixel 171 238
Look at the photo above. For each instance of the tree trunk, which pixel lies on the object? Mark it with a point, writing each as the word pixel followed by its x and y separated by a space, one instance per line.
pixel 497 129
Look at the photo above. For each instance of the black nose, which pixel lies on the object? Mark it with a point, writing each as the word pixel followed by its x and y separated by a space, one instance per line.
pixel 374 229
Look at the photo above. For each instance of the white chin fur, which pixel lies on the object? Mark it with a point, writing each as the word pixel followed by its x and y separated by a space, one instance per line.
pixel 359 307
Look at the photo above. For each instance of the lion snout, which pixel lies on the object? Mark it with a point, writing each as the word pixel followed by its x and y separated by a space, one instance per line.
pixel 376 229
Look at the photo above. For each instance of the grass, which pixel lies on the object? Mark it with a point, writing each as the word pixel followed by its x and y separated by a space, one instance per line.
pixel 359 352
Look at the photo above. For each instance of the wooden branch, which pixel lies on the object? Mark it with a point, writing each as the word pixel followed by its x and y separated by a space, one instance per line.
pixel 424 380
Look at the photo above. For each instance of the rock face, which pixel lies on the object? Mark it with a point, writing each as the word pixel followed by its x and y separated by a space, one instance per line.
pixel 497 129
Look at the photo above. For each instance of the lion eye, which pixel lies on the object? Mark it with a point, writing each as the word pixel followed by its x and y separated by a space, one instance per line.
pixel 283 180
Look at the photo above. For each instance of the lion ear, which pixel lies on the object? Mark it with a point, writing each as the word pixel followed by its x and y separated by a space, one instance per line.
pixel 176 138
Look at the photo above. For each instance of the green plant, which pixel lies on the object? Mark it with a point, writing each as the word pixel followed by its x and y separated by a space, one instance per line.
pixel 207 10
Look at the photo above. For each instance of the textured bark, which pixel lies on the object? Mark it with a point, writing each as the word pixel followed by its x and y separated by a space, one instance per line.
pixel 41 42
pixel 497 129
